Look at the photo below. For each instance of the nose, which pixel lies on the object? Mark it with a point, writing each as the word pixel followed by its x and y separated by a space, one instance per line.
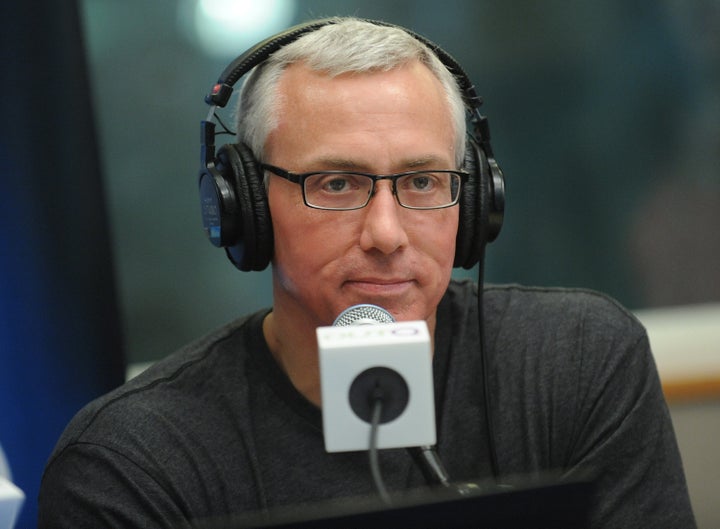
pixel 383 229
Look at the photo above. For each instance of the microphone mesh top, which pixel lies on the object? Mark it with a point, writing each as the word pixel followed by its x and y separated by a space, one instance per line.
pixel 363 315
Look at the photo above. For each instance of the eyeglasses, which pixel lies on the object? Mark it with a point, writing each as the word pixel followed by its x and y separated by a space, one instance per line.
pixel 347 190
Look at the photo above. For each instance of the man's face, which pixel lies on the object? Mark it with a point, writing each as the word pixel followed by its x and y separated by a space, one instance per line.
pixel 397 258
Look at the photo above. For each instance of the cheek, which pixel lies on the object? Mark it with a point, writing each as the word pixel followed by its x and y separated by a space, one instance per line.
pixel 437 237
pixel 306 249
pixel 306 239
pixel 440 246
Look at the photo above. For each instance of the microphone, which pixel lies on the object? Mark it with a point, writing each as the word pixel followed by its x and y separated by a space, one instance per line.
pixel 376 383
pixel 364 314
pixel 382 341
pixel 393 358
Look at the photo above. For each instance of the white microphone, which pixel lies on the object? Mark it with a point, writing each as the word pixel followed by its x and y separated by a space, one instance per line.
pixel 367 352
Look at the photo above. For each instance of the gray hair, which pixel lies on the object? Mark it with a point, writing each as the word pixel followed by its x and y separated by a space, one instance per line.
pixel 346 45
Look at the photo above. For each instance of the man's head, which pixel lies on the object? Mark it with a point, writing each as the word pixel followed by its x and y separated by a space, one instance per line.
pixel 358 97
pixel 235 211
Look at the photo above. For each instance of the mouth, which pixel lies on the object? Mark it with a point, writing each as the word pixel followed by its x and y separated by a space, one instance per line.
pixel 380 286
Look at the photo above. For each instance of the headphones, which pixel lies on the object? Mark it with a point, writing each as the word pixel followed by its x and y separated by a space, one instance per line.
pixel 234 206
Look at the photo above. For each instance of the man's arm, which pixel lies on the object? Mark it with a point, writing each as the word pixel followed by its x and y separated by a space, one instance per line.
pixel 577 391
pixel 90 486
pixel 630 440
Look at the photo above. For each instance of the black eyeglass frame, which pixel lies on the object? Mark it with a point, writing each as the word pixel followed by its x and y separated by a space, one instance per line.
pixel 299 178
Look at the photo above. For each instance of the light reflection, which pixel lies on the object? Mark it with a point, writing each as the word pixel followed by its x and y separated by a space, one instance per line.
pixel 225 28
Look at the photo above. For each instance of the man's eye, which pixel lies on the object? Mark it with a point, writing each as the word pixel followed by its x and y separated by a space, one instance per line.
pixel 339 183
pixel 421 183
pixel 336 184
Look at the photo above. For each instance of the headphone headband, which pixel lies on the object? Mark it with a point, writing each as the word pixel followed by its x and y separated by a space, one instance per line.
pixel 223 88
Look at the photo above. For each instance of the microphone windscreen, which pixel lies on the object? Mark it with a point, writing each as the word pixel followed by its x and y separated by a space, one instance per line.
pixel 364 314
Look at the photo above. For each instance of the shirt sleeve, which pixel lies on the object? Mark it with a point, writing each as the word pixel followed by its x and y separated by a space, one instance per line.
pixel 578 392
pixel 625 438
pixel 90 486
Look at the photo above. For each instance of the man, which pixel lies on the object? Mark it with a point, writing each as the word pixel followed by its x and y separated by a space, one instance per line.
pixel 232 424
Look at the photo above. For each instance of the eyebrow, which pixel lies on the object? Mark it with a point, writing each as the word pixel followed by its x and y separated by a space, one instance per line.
pixel 350 164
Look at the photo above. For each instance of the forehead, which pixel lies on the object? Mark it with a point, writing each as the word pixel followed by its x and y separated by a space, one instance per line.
pixel 329 116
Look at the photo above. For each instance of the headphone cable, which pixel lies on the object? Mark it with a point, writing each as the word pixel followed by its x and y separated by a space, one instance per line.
pixel 494 465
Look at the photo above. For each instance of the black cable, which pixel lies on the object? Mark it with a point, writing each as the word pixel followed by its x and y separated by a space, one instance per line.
pixel 226 129
pixel 494 465
pixel 373 450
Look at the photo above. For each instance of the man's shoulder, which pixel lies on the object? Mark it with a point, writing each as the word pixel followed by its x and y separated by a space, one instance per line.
pixel 517 297
pixel 545 305
pixel 550 333
pixel 526 314
pixel 179 385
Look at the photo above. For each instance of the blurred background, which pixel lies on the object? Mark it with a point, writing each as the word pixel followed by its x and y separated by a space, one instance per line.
pixel 605 117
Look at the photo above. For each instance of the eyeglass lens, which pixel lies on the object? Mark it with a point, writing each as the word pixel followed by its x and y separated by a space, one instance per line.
pixel 424 190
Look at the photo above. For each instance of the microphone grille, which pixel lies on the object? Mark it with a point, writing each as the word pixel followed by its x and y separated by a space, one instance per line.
pixel 364 314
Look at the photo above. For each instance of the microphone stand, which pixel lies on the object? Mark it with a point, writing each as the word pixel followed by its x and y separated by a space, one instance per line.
pixel 427 459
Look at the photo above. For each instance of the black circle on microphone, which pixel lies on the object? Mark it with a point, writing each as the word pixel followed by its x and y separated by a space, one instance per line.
pixel 379 383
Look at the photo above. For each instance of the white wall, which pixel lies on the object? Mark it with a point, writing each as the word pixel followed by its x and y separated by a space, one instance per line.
pixel 686 345
pixel 697 426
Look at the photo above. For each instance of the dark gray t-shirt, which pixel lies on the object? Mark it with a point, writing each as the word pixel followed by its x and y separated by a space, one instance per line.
pixel 218 429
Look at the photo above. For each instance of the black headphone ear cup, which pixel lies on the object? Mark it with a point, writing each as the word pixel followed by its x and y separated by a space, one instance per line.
pixel 482 205
pixel 253 246
pixel 255 178
pixel 218 206
pixel 496 211
pixel 472 209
